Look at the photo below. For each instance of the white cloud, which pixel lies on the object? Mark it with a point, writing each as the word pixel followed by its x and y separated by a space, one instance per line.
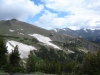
pixel 83 13
pixel 19 9
pixel 49 20
pixel 45 19
pixel 61 5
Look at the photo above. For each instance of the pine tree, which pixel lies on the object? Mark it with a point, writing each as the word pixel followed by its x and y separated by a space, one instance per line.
pixel 30 65
pixel 3 53
pixel 15 60
pixel 98 60
pixel 90 65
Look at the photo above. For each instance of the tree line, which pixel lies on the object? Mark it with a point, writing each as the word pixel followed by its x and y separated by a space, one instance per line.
pixel 12 63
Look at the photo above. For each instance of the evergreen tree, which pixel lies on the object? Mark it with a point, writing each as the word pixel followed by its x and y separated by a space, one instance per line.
pixel 30 65
pixel 90 65
pixel 15 60
pixel 98 60
pixel 3 54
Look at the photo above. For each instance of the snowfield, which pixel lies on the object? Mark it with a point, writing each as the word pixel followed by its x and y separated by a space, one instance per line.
pixel 11 30
pixel 45 40
pixel 24 49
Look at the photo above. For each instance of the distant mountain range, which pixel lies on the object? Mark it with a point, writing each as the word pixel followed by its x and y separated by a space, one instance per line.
pixel 92 35
pixel 47 43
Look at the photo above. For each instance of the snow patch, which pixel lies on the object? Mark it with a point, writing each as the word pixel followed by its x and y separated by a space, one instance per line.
pixel 21 34
pixel 83 50
pixel 55 30
pixel 70 51
pixel 21 29
pixel 11 30
pixel 43 39
pixel 24 49
pixel 85 30
pixel 64 29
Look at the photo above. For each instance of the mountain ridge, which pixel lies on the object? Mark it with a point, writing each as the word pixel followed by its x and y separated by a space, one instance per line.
pixel 89 34
pixel 28 34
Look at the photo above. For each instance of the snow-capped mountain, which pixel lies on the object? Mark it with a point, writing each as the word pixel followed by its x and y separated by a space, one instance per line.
pixel 89 34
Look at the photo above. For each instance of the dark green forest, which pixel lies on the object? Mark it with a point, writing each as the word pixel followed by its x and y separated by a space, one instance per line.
pixel 85 64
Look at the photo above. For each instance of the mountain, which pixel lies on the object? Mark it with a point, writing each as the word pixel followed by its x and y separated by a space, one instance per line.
pixel 92 35
pixel 44 43
pixel 21 29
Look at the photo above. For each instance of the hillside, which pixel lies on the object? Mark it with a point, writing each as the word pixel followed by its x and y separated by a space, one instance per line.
pixel 43 42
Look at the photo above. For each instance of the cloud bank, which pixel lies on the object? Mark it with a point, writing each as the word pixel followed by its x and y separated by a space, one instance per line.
pixel 83 13
pixel 19 9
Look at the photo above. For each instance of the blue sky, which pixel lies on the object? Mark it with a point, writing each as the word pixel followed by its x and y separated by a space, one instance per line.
pixel 50 14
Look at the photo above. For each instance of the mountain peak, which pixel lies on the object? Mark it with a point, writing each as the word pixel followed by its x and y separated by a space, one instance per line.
pixel 14 19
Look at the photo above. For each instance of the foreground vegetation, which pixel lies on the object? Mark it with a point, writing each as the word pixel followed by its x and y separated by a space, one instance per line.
pixel 12 63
